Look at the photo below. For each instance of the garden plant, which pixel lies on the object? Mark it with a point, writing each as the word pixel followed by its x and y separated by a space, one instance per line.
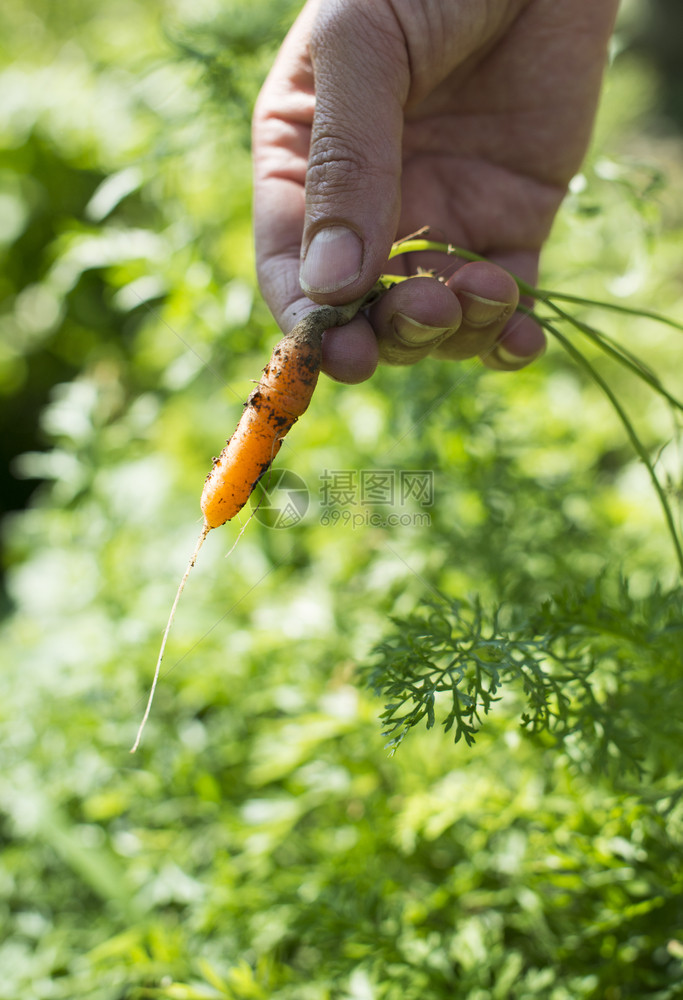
pixel 411 742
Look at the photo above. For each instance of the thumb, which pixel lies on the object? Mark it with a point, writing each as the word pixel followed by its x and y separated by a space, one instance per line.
pixel 353 177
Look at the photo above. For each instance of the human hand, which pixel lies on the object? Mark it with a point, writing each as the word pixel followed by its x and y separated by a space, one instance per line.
pixel 382 116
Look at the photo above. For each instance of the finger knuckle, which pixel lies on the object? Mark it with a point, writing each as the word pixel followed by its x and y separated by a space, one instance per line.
pixel 333 169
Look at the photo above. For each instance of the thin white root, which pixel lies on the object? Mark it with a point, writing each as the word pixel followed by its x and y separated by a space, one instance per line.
pixel 205 530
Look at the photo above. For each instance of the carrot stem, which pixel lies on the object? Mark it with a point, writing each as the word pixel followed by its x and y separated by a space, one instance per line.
pixel 419 243
pixel 613 306
pixel 422 246
pixel 628 426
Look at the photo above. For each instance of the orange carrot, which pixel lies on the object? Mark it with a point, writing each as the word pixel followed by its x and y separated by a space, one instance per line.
pixel 279 399
pixel 281 396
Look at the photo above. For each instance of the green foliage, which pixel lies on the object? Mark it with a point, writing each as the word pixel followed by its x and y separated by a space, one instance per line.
pixel 233 49
pixel 601 673
pixel 262 843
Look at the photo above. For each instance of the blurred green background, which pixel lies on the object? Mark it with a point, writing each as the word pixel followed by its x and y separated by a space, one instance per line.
pixel 263 843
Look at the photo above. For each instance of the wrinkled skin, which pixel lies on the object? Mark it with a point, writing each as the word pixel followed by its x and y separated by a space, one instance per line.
pixel 383 116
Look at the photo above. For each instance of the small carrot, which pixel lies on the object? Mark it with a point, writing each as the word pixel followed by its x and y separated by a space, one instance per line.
pixel 280 397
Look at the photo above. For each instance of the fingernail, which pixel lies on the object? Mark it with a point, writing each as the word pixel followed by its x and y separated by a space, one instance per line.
pixel 416 334
pixel 508 358
pixel 478 311
pixel 334 259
